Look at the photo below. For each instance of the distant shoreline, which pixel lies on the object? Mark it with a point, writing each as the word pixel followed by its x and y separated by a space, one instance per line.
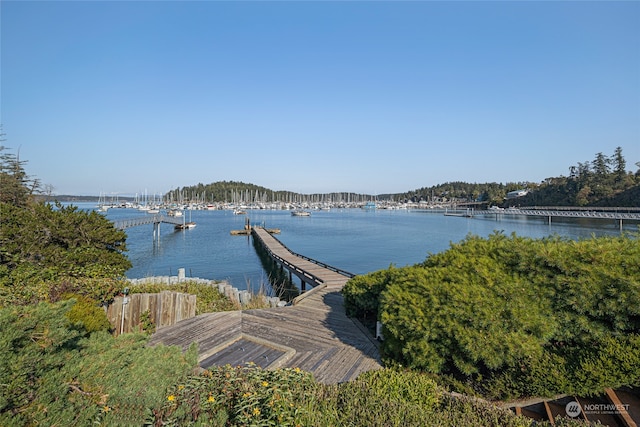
pixel 72 198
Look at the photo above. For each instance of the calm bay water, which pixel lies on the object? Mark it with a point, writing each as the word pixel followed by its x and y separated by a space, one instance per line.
pixel 356 240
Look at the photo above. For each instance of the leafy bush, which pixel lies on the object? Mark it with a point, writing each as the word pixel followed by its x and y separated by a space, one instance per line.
pixel 88 313
pixel 43 247
pixel 385 397
pixel 35 344
pixel 516 316
pixel 361 295
pixel 613 362
pixel 462 313
pixel 53 374
pixel 146 323
pixel 252 396
pixel 544 376
pixel 237 396
pixel 120 380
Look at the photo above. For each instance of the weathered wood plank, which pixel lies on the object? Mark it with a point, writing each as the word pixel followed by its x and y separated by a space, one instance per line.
pixel 323 339
pixel 314 335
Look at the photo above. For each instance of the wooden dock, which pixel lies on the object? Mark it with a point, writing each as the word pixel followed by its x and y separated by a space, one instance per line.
pixel 315 335
pixel 307 269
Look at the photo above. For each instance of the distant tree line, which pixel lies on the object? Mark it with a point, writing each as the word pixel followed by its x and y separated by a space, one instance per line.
pixel 491 193
pixel 604 181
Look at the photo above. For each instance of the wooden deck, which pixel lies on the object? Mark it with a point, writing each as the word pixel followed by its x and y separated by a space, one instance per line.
pixel 314 335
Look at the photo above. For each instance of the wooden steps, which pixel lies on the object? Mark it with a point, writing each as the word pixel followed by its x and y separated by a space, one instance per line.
pixel 315 336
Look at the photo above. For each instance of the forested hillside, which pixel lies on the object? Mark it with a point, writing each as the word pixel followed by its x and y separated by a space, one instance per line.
pixel 604 181
pixel 240 192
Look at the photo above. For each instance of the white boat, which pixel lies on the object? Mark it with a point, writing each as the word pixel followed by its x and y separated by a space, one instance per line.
pixel 185 226
pixel 301 213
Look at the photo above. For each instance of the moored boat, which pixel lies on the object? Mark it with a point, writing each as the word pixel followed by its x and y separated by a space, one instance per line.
pixel 185 226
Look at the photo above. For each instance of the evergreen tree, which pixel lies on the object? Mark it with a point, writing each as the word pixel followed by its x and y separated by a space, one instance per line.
pixel 15 185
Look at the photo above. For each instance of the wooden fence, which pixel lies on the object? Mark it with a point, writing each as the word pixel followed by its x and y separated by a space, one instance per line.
pixel 165 308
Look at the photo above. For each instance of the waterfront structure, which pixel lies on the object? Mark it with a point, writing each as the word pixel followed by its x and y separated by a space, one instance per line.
pixel 313 333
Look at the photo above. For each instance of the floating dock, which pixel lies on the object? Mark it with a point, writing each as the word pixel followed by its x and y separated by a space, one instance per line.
pixel 246 231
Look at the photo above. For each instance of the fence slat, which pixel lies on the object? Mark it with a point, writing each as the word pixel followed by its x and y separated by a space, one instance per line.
pixel 165 309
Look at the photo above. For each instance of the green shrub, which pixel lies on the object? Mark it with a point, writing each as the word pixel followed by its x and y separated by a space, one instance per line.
pixel 146 323
pixel 543 376
pixel 88 313
pixel 516 316
pixel 454 411
pixel 122 379
pixel 614 362
pixel 236 396
pixel 53 374
pixel 362 293
pixel 45 246
pixel 285 397
pixel 36 342
pixel 387 398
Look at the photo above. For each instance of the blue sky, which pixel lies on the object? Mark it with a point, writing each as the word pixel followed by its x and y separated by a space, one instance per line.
pixel 314 97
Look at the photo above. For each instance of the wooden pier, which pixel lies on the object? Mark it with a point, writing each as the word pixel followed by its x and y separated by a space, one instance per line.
pixel 306 269
pixel 618 214
pixel 313 334
pixel 156 220
pixel 148 219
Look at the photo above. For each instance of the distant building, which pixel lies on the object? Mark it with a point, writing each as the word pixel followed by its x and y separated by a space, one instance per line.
pixel 517 193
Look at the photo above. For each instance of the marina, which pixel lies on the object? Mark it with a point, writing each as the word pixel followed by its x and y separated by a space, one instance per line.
pixel 356 240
